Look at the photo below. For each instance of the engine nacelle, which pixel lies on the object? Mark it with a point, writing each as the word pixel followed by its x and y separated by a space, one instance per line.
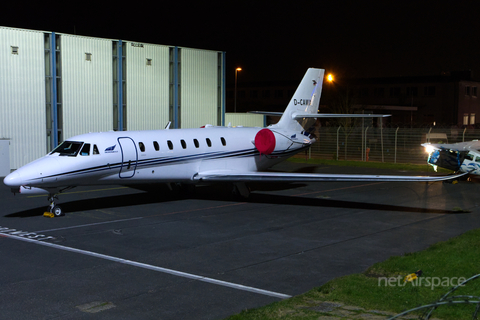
pixel 268 141
pixel 265 141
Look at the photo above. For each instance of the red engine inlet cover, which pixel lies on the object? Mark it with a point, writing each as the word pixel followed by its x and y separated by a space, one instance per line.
pixel 265 141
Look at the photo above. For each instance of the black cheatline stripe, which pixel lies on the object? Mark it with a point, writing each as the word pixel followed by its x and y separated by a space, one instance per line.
pixel 151 162
pixel 179 159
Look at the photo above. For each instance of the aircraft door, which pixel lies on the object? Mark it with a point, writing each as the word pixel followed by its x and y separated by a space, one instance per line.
pixel 129 157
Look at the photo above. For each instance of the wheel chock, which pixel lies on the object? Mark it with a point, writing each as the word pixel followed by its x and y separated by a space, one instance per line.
pixel 412 276
pixel 48 215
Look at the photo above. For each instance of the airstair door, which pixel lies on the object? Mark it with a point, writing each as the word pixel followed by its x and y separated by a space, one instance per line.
pixel 129 157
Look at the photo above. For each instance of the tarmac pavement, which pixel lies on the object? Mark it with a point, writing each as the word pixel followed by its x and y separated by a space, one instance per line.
pixel 127 253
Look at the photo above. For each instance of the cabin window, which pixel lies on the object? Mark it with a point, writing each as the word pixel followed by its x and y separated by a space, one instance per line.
pixel 170 145
pixel 85 150
pixel 156 146
pixel 142 146
pixel 209 143
pixel 95 149
pixel 68 148
pixel 195 142
pixel 469 156
pixel 184 144
pixel 224 143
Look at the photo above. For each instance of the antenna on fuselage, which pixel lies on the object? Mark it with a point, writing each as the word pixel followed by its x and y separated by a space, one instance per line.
pixel 168 125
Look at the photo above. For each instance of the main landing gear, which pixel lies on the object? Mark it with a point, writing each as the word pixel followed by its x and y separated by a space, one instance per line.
pixel 53 209
pixel 240 190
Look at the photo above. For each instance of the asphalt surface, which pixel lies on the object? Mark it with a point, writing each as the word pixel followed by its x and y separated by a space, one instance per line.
pixel 124 253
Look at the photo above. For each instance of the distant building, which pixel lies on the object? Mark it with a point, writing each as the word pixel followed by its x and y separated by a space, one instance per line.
pixel 261 96
pixel 447 99
pixel 450 99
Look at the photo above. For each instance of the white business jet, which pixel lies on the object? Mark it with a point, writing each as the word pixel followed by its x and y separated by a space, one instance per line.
pixel 188 156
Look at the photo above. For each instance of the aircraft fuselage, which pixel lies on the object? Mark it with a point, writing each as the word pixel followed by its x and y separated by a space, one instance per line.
pixel 174 155
pixel 458 157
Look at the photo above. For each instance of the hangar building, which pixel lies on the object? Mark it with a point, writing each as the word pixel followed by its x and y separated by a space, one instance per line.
pixel 54 86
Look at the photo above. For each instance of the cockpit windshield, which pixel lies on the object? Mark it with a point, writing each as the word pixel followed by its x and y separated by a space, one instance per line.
pixel 68 148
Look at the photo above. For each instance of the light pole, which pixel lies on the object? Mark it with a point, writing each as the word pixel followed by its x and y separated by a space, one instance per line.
pixel 235 99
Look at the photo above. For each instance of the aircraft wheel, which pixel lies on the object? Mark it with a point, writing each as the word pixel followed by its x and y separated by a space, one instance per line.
pixel 57 211
pixel 240 191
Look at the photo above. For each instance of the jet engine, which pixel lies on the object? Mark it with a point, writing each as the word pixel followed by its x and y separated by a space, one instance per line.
pixel 265 141
pixel 268 141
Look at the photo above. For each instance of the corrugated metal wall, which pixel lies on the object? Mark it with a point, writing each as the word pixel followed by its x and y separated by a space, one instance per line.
pixel 87 86
pixel 199 87
pixel 85 89
pixel 22 94
pixel 245 119
pixel 147 86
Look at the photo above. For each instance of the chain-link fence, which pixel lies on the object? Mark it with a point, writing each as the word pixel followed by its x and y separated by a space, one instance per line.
pixel 395 145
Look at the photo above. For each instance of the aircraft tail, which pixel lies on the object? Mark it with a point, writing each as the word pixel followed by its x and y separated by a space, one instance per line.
pixel 304 102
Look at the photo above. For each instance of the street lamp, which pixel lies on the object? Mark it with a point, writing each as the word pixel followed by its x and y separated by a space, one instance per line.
pixel 330 77
pixel 235 99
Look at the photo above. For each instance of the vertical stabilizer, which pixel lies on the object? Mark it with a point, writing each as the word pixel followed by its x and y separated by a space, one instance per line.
pixel 305 100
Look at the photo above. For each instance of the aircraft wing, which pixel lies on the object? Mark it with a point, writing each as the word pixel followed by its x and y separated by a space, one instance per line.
pixel 230 176
pixel 460 146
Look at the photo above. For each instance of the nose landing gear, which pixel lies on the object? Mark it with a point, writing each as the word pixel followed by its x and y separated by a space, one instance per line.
pixel 53 209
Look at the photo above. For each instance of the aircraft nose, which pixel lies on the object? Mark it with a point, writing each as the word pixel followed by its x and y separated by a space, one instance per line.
pixel 14 179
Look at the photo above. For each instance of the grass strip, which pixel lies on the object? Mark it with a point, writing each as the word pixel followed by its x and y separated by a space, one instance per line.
pixel 368 292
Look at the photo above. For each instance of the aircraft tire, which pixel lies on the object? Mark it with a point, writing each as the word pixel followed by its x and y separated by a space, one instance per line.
pixel 240 191
pixel 57 211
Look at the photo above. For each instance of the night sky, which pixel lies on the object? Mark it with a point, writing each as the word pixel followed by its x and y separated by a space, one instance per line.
pixel 278 40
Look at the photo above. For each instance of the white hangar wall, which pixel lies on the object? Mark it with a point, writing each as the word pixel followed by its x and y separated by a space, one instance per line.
pixel 147 84
pixel 54 86
pixel 245 119
pixel 87 87
pixel 22 94
pixel 199 87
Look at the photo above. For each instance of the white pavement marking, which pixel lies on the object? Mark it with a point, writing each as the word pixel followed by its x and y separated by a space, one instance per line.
pixel 153 268
pixel 90 224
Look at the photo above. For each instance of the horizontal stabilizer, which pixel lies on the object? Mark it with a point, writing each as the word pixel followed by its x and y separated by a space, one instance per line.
pixel 297 116
pixel 267 113
pixel 311 177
